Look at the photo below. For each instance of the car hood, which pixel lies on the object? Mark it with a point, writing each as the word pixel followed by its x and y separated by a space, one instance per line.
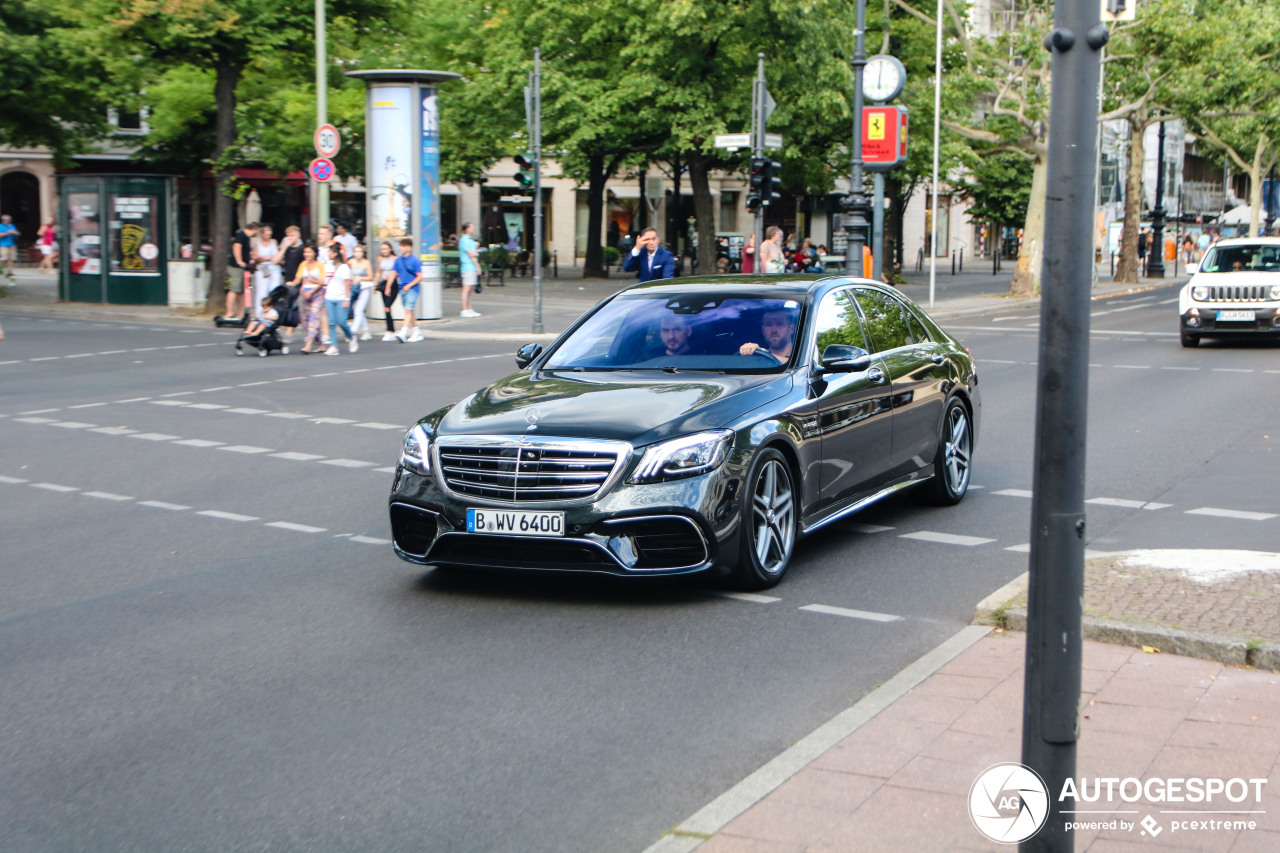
pixel 623 406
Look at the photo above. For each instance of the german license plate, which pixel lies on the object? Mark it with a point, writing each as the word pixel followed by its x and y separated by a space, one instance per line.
pixel 1236 316
pixel 506 522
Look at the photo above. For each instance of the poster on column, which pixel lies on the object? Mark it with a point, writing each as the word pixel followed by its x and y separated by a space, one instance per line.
pixel 391 162
pixel 429 201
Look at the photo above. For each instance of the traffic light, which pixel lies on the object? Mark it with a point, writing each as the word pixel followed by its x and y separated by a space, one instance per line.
pixel 524 177
pixel 763 183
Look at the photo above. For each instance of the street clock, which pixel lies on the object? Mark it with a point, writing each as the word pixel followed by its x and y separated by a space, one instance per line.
pixel 883 78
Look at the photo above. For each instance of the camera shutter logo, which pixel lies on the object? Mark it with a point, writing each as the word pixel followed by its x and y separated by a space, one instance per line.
pixel 1008 803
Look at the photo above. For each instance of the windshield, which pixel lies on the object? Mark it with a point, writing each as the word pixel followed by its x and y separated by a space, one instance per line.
pixel 1242 259
pixel 707 330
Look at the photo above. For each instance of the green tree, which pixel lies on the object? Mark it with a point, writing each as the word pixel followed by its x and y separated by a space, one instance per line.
pixel 1000 188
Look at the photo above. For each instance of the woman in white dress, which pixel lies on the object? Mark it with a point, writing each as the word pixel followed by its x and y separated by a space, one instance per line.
pixel 362 286
pixel 267 276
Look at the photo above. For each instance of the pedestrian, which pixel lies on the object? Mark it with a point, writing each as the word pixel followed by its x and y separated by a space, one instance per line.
pixel 324 239
pixel 468 252
pixel 239 267
pixel 266 275
pixel 648 259
pixel 310 280
pixel 771 261
pixel 8 243
pixel 1202 242
pixel 749 254
pixel 1143 239
pixel 388 287
pixel 347 239
pixel 287 259
pixel 408 271
pixel 47 240
pixel 337 299
pixel 361 287
pixel 1188 250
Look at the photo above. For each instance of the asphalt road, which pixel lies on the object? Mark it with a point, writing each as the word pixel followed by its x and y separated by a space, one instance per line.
pixel 206 642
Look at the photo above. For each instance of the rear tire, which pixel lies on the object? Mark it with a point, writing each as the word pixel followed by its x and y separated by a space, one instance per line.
pixel 768 536
pixel 951 462
pixel 1189 341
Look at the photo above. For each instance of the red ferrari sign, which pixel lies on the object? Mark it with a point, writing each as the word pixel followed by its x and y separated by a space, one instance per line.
pixel 884 137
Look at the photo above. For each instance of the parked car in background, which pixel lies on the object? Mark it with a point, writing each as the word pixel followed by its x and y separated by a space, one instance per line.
pixel 693 425
pixel 1235 292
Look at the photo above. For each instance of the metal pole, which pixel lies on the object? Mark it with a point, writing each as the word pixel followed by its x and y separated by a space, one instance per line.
pixel 1097 166
pixel 322 108
pixel 855 204
pixel 536 143
pixel 1051 699
pixel 937 143
pixel 877 226
pixel 757 150
pixel 1155 252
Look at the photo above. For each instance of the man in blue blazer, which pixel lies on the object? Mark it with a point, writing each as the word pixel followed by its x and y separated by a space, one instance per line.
pixel 650 260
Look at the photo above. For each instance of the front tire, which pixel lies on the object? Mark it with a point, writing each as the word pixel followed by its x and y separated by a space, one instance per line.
pixel 768 536
pixel 952 461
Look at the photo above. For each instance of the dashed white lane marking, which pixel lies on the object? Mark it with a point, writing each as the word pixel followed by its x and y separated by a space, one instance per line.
pixel 334 421
pixel 244 448
pixel 1231 513
pixel 1170 367
pixel 54 487
pixel 107 496
pixel 169 403
pixel 114 431
pixel 384 470
pixel 348 463
pixel 376 425
pixel 34 420
pixel 155 436
pixel 369 540
pixel 72 424
pixel 753 597
pixel 1127 504
pixel 946 538
pixel 1024 548
pixel 288 415
pixel 246 411
pixel 299 528
pixel 229 516
pixel 39 411
pixel 1016 493
pixel 199 442
pixel 133 400
pixel 851 613
pixel 17 481
pixel 1233 370
pixel 46 358
pixel 178 394
pixel 164 505
pixel 296 456
pixel 219 388
pixel 86 406
pixel 1132 366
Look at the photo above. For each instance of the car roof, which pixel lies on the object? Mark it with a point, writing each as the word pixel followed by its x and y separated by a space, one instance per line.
pixel 782 286
pixel 1247 241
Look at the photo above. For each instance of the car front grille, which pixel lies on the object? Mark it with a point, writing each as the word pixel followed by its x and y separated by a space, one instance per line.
pixel 509 470
pixel 1238 293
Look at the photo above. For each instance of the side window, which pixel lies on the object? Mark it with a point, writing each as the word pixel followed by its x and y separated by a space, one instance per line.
pixel 838 322
pixel 918 330
pixel 886 322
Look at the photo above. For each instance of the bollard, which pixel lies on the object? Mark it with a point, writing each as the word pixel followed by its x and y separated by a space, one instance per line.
pixel 962 260
pixel 953 261
pixel 555 263
pixel 1113 264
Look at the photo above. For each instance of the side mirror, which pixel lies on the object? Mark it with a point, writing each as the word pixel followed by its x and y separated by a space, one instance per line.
pixel 839 358
pixel 526 354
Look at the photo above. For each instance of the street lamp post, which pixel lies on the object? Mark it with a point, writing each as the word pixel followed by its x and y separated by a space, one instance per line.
pixel 1155 252
pixel 854 204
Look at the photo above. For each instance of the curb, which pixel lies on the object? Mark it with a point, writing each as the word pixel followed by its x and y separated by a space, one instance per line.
pixel 716 815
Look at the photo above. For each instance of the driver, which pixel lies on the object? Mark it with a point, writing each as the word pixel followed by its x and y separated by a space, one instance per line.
pixel 779 331
pixel 674 331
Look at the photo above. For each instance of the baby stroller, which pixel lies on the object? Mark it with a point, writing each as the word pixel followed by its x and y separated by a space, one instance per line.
pixel 265 340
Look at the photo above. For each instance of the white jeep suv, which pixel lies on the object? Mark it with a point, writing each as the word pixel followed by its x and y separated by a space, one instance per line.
pixel 1235 292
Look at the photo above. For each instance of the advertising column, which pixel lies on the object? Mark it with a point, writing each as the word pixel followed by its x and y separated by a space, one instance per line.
pixel 428 245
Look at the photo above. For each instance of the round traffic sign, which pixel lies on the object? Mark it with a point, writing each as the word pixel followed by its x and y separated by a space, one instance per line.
pixel 321 169
pixel 328 140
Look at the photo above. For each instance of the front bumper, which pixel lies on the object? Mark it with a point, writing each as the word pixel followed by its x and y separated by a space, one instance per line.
pixel 1204 321
pixel 673 528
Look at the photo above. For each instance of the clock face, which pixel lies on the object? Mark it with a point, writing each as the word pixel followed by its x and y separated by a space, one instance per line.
pixel 882 78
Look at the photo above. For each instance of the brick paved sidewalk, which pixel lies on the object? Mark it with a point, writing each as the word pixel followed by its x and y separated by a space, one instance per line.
pixel 900 781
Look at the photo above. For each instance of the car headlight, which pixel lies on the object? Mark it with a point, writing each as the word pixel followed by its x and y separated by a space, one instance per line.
pixel 1200 293
pixel 1274 293
pixel 415 453
pixel 686 456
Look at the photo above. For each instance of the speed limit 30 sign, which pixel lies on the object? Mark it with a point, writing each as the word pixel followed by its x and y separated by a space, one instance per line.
pixel 328 141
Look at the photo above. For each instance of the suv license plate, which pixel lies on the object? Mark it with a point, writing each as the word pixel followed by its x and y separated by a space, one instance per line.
pixel 1247 316
pixel 504 522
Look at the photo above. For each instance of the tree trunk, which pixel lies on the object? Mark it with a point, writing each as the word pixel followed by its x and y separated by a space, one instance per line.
pixel 705 211
pixel 673 209
pixel 224 92
pixel 197 186
pixel 1255 187
pixel 1127 270
pixel 1026 277
pixel 593 263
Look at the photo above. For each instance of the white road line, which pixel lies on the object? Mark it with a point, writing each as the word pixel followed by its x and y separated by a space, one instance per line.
pixel 300 528
pixel 334 421
pixel 293 378
pixel 145 349
pixel 229 516
pixel 851 614
pixel 753 597
pixel 54 487
pixel 170 403
pixel 1233 370
pixel 12 361
pixel 384 470
pixel 39 411
pixel 288 415
pixel 17 481
pixel 115 431
pixel 107 496
pixel 86 406
pixel 946 538
pixel 1127 504
pixel 155 436
pixel 112 351
pixel 34 420
pixel 1231 513
pixel 1133 366
pixel 206 406
pixel 859 527
pixel 178 394
pixel 134 400
pixel 369 540
pixel 1024 548
pixel 1016 493
pixel 46 358
pixel 163 505
pixel 376 425
pixel 219 388
pixel 244 411
pixel 199 442
pixel 252 384
pixel 296 456
pixel 245 448
pixel 348 463
pixel 72 425
pixel 179 346
pixel 1172 301
pixel 1167 367
pixel 79 355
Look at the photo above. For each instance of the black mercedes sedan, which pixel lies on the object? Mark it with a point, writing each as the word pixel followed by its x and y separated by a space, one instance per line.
pixel 693 425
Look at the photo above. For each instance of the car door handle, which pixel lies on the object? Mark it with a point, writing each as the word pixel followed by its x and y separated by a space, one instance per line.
pixel 876 375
